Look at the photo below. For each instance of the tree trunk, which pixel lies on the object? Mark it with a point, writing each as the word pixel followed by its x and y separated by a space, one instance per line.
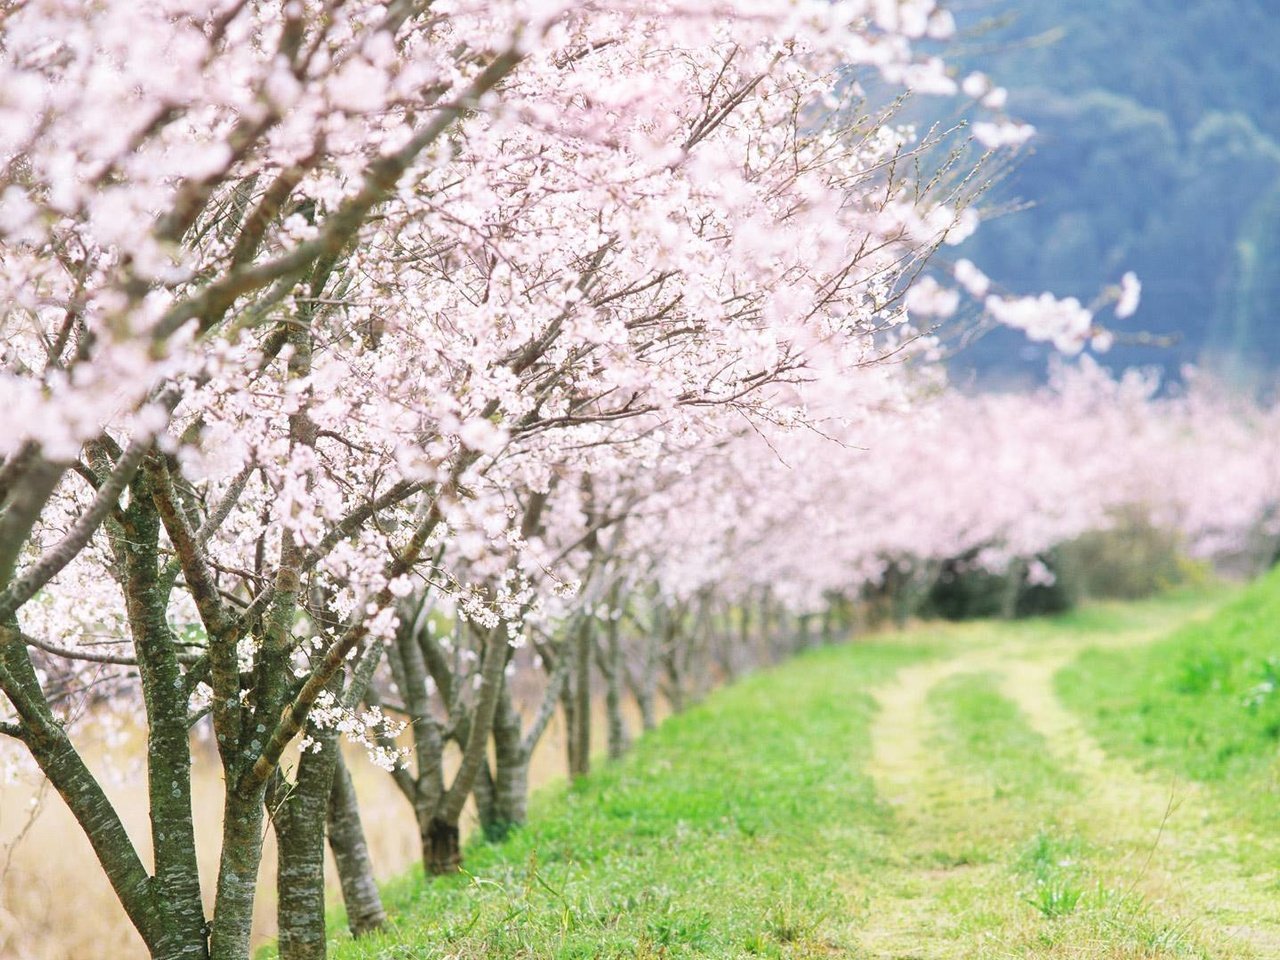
pixel 768 637
pixel 511 796
pixel 299 823
pixel 350 850
pixel 167 934
pixel 675 687
pixel 788 634
pixel 726 649
pixel 646 688
pixel 237 874
pixel 898 592
pixel 66 770
pixel 675 690
pixel 507 809
pixel 612 667
pixel 580 756
pixel 486 806
pixel 440 836
pixel 441 846
pixel 135 539
pixel 569 707
pixel 648 710
pixel 1014 578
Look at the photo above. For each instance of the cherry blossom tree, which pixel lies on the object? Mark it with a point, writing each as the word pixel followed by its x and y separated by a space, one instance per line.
pixel 310 301
pixel 363 356
pixel 938 473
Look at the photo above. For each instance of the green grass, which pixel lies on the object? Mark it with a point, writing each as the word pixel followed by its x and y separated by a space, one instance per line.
pixel 730 831
pixel 1202 704
pixel 979 825
pixel 1047 887
pixel 1052 865
pixel 1111 618
pixel 982 731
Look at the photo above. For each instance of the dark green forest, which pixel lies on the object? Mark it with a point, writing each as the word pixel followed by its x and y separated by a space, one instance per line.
pixel 1158 150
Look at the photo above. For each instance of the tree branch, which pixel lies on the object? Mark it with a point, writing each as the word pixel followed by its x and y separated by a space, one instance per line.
pixel 547 709
pixel 104 501
pixel 210 305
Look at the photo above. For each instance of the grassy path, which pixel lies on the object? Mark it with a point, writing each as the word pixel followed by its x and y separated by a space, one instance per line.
pixel 743 827
pixel 1023 838
pixel 1187 863
pixel 928 797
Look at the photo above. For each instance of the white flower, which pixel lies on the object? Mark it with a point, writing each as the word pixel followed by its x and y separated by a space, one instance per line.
pixel 479 434
pixel 996 98
pixel 1130 295
pixel 965 224
pixel 974 281
pixel 359 87
pixel 928 298
pixel 975 85
pixel 1066 323
pixel 994 136
pixel 1039 575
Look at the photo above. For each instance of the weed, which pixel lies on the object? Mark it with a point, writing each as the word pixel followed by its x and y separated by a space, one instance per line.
pixel 792 922
pixel 1052 865
pixel 1055 897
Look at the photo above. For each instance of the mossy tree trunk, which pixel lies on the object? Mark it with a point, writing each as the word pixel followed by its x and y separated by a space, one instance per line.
pixel 418 662
pixel 350 849
pixel 299 813
pixel 578 701
pixel 609 654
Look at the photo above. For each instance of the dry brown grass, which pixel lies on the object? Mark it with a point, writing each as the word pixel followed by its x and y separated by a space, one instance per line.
pixel 55 904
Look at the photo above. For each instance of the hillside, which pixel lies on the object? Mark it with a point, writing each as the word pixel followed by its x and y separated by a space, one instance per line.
pixel 1158 151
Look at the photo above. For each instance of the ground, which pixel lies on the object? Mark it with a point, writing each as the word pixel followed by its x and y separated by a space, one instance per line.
pixel 1004 802
pixel 967 791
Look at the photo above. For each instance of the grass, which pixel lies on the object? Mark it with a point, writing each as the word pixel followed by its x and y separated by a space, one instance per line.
pixel 1053 867
pixel 982 730
pixel 726 833
pixel 1202 704
pixel 1050 886
pixel 928 796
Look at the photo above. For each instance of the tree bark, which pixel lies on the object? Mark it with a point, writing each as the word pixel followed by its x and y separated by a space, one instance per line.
pixel 299 819
pixel 569 707
pixel 645 687
pixel 1015 576
pixel 243 816
pixel 580 755
pixel 509 788
pixel 136 544
pixel 671 662
pixel 438 824
pixel 804 632
pixel 611 666
pixel 441 846
pixel 61 763
pixel 350 849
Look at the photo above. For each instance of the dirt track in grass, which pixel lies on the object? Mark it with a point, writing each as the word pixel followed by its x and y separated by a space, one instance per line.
pixel 1148 870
